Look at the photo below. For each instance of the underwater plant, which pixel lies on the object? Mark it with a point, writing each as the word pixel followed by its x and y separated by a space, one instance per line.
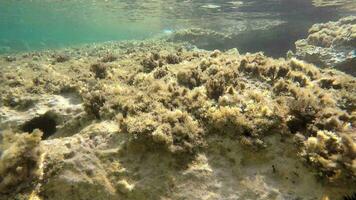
pixel 161 117
pixel 20 160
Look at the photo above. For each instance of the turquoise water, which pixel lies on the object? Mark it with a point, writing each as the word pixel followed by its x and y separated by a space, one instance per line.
pixel 31 25
pixel 268 25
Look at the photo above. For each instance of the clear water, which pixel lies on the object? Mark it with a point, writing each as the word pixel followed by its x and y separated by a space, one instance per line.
pixel 259 25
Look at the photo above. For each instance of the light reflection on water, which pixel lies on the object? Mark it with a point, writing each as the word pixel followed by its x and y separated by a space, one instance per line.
pixel 273 25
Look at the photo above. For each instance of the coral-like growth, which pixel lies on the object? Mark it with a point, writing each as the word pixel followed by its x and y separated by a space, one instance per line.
pixel 20 160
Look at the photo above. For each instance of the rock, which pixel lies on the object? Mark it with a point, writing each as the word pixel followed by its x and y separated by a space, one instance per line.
pixel 332 44
pixel 124 187
pixel 10 58
pixel 202 38
pixel 199 125
pixel 347 5
pixel 72 165
pixel 49 113
pixel 20 160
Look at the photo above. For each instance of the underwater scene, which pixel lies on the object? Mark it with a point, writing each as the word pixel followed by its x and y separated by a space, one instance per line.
pixel 177 100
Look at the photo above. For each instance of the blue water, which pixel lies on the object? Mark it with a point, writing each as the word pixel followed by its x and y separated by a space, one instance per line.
pixel 27 25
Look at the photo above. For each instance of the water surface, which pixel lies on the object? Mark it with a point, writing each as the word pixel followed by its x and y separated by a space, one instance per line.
pixel 258 25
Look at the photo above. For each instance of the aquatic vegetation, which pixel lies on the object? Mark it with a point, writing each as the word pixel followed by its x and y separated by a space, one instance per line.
pixel 152 62
pixel 173 59
pixel 160 114
pixel 100 70
pixel 175 129
pixel 109 58
pixel 61 58
pixel 189 100
pixel 94 103
pixel 19 161
pixel 330 45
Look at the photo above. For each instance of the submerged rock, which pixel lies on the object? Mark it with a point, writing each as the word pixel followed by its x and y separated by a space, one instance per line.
pixel 202 38
pixel 20 161
pixel 171 123
pixel 49 113
pixel 332 44
pixel 347 5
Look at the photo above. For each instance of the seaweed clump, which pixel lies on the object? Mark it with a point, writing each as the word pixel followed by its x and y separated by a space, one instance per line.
pixel 152 62
pixel 171 103
pixel 109 58
pixel 330 44
pixel 331 153
pixel 175 130
pixel 60 58
pixel 100 70
pixel 19 161
pixel 218 94
pixel 93 104
pixel 156 60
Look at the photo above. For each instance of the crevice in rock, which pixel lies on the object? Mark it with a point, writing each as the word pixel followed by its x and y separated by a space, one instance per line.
pixel 46 123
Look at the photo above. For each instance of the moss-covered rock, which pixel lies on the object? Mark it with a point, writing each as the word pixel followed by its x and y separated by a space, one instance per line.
pixel 166 122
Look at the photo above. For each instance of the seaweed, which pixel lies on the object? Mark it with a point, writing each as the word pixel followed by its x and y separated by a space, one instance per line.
pixel 109 58
pixel 174 103
pixel 94 103
pixel 100 70
pixel 173 59
pixel 19 161
pixel 60 58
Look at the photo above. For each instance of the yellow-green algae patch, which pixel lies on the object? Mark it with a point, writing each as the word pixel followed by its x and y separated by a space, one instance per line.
pixel 19 161
pixel 163 122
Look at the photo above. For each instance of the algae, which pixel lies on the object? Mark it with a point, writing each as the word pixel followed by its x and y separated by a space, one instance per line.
pixel 19 162
pixel 160 119
pixel 330 44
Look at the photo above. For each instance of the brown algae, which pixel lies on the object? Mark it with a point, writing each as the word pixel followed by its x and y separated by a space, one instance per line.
pixel 157 119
